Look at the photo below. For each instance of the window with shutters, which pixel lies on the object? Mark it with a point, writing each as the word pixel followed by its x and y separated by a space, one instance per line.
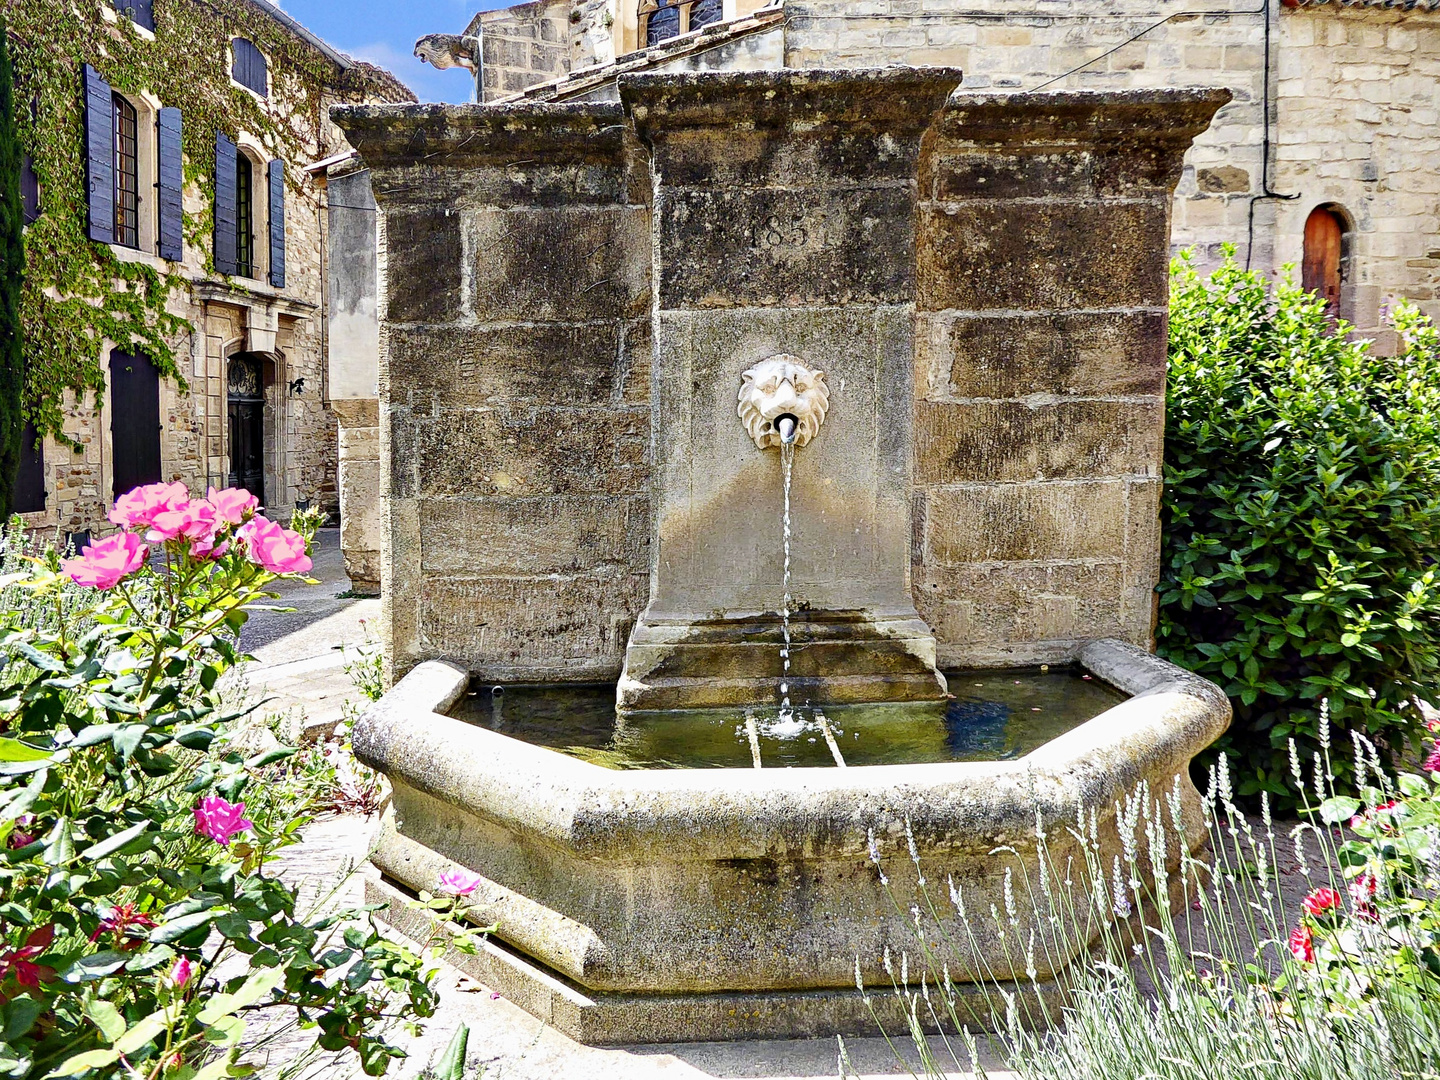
pixel 248 67
pixel 127 173
pixel 1324 270
pixel 244 216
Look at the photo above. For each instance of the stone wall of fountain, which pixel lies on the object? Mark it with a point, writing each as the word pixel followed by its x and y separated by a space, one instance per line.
pixel 571 294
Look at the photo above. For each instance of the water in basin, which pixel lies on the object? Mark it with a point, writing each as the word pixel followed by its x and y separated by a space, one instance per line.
pixel 994 715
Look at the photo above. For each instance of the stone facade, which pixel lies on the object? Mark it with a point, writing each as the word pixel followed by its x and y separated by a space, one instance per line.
pixel 1342 95
pixel 986 295
pixel 285 329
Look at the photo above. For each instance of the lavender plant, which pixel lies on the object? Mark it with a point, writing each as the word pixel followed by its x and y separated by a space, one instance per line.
pixel 1240 983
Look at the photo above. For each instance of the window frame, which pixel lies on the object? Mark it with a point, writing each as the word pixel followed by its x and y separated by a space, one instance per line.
pixel 245 215
pixel 238 45
pixel 126 168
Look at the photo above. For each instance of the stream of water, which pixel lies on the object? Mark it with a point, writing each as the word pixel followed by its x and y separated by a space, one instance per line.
pixel 787 464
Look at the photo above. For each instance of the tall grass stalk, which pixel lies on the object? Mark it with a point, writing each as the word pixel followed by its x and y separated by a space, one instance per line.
pixel 1211 984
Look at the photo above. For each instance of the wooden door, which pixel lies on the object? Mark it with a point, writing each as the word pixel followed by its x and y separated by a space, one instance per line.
pixel 1320 271
pixel 246 414
pixel 134 421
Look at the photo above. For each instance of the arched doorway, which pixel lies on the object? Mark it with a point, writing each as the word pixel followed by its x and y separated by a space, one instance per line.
pixel 1323 269
pixel 245 400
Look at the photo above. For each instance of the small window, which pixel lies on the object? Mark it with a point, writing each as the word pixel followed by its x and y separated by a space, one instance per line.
pixel 127 174
pixel 248 66
pixel 244 216
pixel 1323 270
pixel 140 12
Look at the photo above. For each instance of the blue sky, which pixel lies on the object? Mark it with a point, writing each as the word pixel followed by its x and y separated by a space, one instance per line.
pixel 384 32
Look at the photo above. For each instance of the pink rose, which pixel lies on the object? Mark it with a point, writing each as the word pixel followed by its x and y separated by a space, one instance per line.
pixel 102 564
pixel 220 820
pixel 459 881
pixel 181 972
pixel 281 551
pixel 1432 763
pixel 190 520
pixel 1321 901
pixel 138 508
pixel 233 505
pixel 208 549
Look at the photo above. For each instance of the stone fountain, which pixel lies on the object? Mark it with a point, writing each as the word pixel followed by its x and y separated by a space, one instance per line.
pixel 603 327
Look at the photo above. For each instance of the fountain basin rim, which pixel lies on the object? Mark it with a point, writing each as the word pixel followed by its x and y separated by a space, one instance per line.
pixel 704 814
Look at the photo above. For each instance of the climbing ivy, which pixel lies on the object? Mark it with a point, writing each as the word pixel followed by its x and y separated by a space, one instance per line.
pixel 78 294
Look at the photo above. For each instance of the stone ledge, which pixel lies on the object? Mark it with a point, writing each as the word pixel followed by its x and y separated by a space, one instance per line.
pixel 607 1019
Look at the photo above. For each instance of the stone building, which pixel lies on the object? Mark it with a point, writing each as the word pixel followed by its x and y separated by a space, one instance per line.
pixel 257 411
pixel 1331 134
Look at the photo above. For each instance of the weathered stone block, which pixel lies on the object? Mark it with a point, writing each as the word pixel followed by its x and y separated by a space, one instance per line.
pixel 1009 356
pixel 549 363
pixel 537 450
pixel 422 273
pixel 1002 441
pixel 1042 255
pixel 568 263
pixel 1006 522
pixel 525 536
pixel 772 247
pixel 724 159
pixel 1008 175
pixel 551 628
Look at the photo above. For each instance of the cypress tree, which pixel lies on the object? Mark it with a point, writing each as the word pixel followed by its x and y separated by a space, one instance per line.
pixel 12 266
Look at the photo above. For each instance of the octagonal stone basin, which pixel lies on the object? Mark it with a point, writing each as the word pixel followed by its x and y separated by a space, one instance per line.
pixel 710 903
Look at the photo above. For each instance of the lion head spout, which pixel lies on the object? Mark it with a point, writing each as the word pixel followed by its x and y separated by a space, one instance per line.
pixel 778 386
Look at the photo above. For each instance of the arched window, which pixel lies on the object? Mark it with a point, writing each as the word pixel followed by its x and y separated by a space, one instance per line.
pixel 127 173
pixel 1324 269
pixel 247 66
pixel 661 20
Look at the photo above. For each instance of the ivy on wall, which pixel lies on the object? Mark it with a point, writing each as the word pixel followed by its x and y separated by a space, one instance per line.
pixel 78 294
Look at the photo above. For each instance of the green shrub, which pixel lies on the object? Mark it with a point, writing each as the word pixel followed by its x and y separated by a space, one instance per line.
pixel 142 927
pixel 1301 516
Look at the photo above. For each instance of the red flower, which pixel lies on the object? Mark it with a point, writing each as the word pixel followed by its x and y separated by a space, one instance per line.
pixel 1302 944
pixel 1369 816
pixel 1432 763
pixel 1321 901
pixel 20 962
pixel 119 922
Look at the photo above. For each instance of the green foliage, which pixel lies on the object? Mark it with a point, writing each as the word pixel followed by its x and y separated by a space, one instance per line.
pixel 1301 516
pixel 79 294
pixel 132 944
pixel 12 269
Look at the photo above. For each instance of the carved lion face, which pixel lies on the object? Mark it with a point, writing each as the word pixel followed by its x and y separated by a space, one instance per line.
pixel 782 384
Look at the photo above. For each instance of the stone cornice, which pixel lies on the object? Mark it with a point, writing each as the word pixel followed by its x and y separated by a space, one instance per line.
pixel 898 99
pixel 482 134
pixel 1080 116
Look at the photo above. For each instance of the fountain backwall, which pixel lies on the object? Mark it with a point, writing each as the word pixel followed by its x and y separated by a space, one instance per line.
pixel 520 395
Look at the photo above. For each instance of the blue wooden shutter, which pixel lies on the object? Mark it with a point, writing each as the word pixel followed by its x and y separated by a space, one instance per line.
pixel 225 210
pixel 29 190
pixel 277 223
pixel 170 186
pixel 141 12
pixel 100 156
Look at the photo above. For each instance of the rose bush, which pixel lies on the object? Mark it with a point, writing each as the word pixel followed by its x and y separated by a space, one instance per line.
pixel 140 923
